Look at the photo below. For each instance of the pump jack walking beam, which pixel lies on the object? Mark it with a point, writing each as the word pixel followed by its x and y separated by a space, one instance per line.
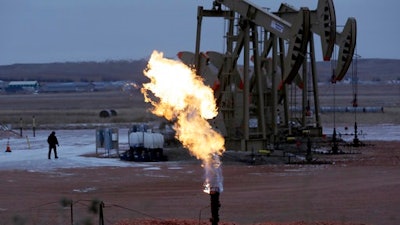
pixel 296 32
pixel 323 23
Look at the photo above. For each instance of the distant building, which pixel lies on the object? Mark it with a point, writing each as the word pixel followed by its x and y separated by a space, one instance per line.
pixel 22 86
pixel 3 86
pixel 67 87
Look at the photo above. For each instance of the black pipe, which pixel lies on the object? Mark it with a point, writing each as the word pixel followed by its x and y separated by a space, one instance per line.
pixel 215 204
pixel 356 141
pixel 335 147
pixel 309 153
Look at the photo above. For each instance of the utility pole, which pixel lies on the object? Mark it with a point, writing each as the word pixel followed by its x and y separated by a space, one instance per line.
pixel 34 126
pixel 20 126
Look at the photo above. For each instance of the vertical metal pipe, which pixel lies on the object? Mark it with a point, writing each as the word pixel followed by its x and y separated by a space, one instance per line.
pixel 259 80
pixel 20 127
pixel 229 35
pixel 305 93
pixel 215 204
pixel 198 37
pixel 246 93
pixel 101 216
pixel 315 82
pixel 72 213
pixel 284 86
pixel 34 126
pixel 274 88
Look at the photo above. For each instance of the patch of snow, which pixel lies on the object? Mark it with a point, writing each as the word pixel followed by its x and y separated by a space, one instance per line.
pixel 174 168
pixel 85 190
pixel 152 168
pixel 30 153
pixel 379 132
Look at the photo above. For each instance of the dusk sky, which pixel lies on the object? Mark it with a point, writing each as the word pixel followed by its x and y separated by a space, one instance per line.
pixel 41 31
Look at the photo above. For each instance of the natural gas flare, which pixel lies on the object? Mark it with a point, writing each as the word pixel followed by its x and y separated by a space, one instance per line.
pixel 179 95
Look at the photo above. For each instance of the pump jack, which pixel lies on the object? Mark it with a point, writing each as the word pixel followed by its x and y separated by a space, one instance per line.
pixel 250 102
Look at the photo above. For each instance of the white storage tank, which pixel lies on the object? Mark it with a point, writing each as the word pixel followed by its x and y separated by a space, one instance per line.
pixel 146 140
pixel 136 139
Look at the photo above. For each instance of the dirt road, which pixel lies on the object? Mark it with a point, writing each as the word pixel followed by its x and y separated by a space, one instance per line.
pixel 355 189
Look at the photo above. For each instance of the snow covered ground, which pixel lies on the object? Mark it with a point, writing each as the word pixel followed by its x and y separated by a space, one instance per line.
pixel 381 132
pixel 30 153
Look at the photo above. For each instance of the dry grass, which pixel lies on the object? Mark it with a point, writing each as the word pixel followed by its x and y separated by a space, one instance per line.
pixel 84 108
pixel 371 95
pixel 382 95
pixel 72 108
pixel 390 116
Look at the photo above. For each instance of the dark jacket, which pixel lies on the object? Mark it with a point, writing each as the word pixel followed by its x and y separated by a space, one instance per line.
pixel 52 139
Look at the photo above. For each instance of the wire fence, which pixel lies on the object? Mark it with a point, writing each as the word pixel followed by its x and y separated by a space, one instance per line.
pixel 80 212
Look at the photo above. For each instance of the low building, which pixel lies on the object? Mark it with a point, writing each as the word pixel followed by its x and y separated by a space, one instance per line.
pixel 3 86
pixel 67 87
pixel 22 86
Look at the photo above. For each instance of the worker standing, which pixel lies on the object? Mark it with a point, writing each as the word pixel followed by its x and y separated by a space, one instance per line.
pixel 53 143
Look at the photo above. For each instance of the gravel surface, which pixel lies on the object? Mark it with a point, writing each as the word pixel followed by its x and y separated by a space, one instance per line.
pixel 358 188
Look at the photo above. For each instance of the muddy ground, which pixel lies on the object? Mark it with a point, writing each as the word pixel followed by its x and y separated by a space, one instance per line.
pixel 358 188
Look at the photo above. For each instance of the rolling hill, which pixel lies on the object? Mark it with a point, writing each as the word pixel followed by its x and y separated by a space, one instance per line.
pixel 367 70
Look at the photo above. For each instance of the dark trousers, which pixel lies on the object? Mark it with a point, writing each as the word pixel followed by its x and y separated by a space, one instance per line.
pixel 55 151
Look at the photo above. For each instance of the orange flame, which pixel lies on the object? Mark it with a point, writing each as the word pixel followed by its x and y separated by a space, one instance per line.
pixel 179 95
